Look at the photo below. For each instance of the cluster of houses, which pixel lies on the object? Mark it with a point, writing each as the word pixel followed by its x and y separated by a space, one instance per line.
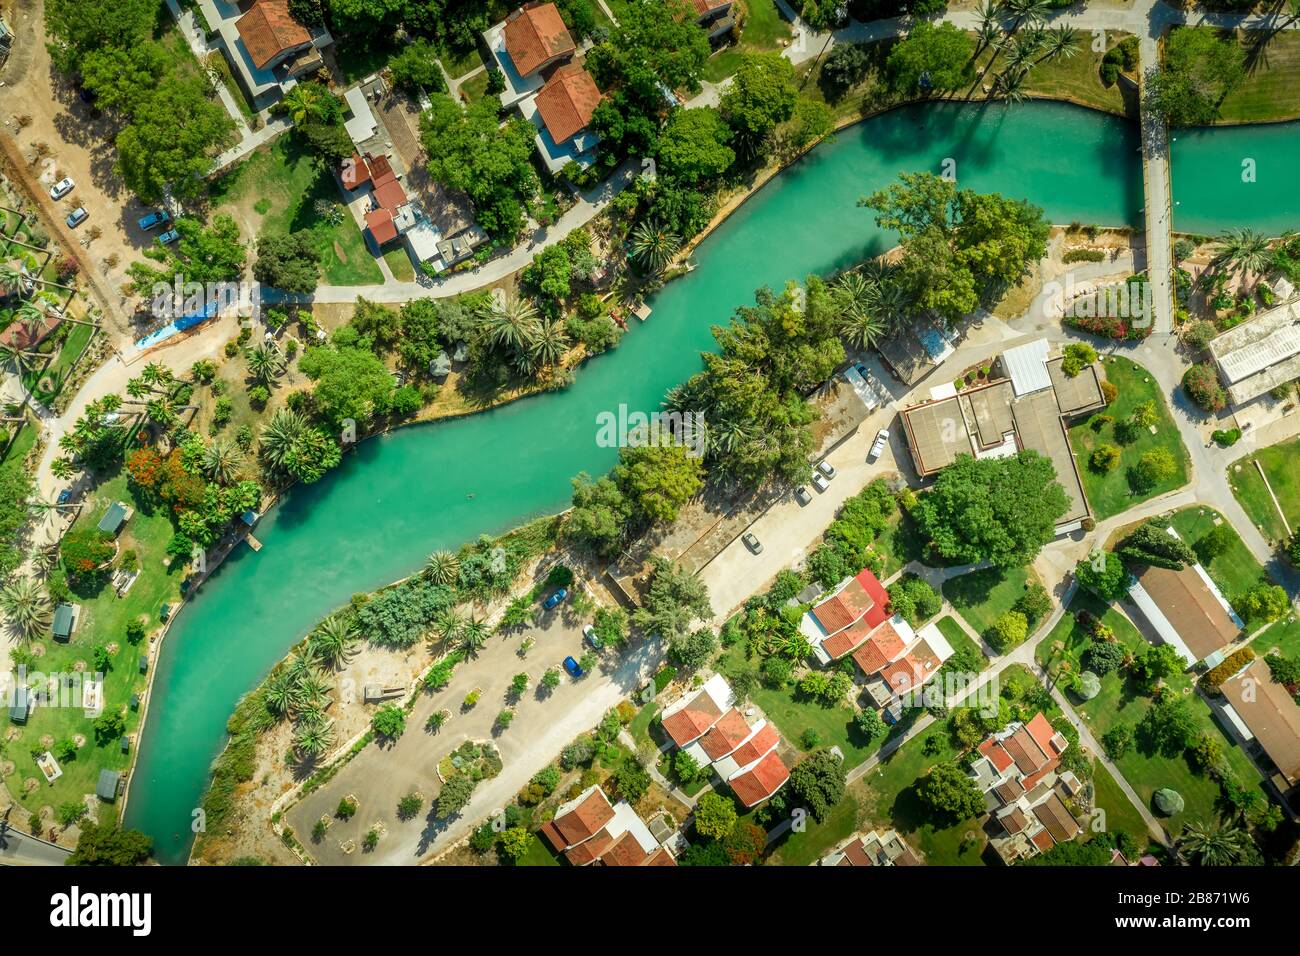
pixel 894 660
pixel 739 746
pixel 267 49
pixel 876 848
pixel 589 830
pixel 1016 770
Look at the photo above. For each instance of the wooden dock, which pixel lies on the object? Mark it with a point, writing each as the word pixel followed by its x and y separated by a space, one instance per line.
pixel 253 542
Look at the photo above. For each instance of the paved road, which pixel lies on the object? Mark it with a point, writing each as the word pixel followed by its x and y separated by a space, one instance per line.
pixel 23 849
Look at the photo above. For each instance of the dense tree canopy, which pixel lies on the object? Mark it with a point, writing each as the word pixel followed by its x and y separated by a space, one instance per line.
pixel 289 263
pixel 959 245
pixel 932 58
pixel 350 383
pixel 171 138
pixel 1002 510
pixel 469 150
pixel 761 95
pixel 693 146
pixel 1200 69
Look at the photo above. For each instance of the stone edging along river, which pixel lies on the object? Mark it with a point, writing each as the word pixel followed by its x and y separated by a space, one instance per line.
pixel 403 494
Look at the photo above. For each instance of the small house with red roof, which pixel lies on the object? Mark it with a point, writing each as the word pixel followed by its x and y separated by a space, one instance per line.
pixel 842 622
pixel 561 111
pixel 267 48
pixel 527 46
pixel 709 727
pixel 590 830
pixel 1016 770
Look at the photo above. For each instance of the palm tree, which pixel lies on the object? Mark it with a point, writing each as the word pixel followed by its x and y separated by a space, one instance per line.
pixel 24 362
pixel 12 280
pixel 510 326
pixel 1214 844
pixel 281 434
pixel 449 624
pixel 474 634
pixel 27 605
pixel 315 688
pixel 313 738
pixel 443 567
pixel 333 640
pixel 1026 11
pixel 265 362
pixel 282 694
pixel 1241 252
pixel 862 329
pixel 1011 86
pixel 221 460
pixel 653 245
pixel 1062 43
pixel 549 344
pixel 989 26
pixel 304 101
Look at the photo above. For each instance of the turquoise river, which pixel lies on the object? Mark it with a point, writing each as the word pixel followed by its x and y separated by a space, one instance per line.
pixel 402 495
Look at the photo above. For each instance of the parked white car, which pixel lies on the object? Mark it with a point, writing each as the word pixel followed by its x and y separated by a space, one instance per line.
pixel 878 446
pixel 62 188
pixel 826 468
pixel 820 481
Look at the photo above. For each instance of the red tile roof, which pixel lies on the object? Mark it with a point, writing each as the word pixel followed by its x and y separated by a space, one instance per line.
pixel 535 35
pixel 660 857
pixel 1056 817
pixel 704 7
pixel 856 855
pixel 726 735
pixel 567 101
pixel 625 851
pixel 756 746
pixel 761 781
pixel 1024 750
pixel 1043 840
pixel 381 225
pixel 863 595
pixel 355 172
pixel 589 850
pixel 839 644
pixel 268 30
pixel 884 645
pixel 586 819
pixel 691 722
pixel 997 755
pixel 1191 607
pixel 1043 732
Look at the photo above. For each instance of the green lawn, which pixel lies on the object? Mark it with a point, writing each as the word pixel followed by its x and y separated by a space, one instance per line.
pixel 1271 91
pixel 639 728
pixel 399 264
pixel 1109 493
pixel 539 854
pixel 1077 79
pixel 761 32
pixel 958 639
pixel 275 190
pixel 47 382
pixel 888 799
pixel 1121 703
pixel 475 88
pixel 899 543
pixel 1121 815
pixel 1235 571
pixel 459 62
pixel 1283 635
pixel 1279 464
pixel 22 443
pixel 981 597
pixel 102 622
pixel 817 838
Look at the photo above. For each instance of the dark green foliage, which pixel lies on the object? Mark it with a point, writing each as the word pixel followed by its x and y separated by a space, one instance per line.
pixel 818 780
pixel 399 615
pixel 1151 543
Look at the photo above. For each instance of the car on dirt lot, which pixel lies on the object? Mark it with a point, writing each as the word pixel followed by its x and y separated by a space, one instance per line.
pixel 801 495
pixel 826 468
pixel 77 217
pixel 592 638
pixel 878 446
pixel 170 236
pixel 155 218
pixel 752 542
pixel 62 188
pixel 555 599
pixel 820 481
pixel 573 668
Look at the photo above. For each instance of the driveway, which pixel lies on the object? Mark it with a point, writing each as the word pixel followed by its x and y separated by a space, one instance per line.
pixel 543 724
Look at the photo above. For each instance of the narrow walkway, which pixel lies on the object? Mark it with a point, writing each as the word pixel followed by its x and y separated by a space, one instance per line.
pixel 1159 205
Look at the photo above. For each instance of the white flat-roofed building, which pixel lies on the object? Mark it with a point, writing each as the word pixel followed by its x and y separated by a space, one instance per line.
pixel 1260 353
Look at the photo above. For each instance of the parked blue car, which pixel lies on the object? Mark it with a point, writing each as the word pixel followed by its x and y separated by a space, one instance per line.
pixel 571 666
pixel 155 218
pixel 65 496
pixel 171 235
pixel 555 598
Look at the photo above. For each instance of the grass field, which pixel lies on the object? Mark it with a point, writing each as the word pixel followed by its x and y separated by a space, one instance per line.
pixel 761 32
pixel 1121 703
pixel 958 639
pixel 1077 79
pixel 475 87
pixel 1279 464
pixel 23 442
pixel 399 264
pixel 275 190
pixel 1271 91
pixel 1109 493
pixel 1121 815
pixel 459 62
pixel 102 623
pixel 1235 571
pixel 817 838
pixel 539 854
pixel 1283 635
pixel 47 382
pixel 981 597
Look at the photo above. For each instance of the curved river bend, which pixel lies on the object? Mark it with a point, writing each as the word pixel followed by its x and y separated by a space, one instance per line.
pixel 402 495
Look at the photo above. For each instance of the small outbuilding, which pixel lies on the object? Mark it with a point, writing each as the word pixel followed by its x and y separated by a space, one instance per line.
pixel 106 788
pixel 114 518
pixel 65 621
pixel 21 706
